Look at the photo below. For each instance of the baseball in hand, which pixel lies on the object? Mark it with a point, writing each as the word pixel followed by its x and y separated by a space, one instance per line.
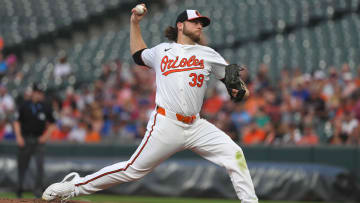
pixel 139 9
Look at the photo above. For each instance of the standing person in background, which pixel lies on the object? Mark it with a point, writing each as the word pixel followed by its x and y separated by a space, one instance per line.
pixel 183 69
pixel 33 127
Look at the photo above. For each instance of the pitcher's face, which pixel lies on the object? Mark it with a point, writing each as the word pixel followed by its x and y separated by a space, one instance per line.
pixel 193 30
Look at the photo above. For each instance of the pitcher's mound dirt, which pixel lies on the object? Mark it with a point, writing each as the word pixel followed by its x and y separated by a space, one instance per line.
pixel 35 201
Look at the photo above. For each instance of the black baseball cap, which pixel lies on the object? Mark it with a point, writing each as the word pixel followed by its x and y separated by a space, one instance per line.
pixel 192 15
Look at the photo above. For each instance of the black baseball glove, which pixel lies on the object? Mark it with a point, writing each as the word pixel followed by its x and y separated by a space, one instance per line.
pixel 232 81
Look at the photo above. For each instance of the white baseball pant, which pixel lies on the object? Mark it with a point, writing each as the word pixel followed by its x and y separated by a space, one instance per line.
pixel 166 136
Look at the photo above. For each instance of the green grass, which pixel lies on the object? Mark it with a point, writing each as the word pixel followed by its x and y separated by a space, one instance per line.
pixel 134 199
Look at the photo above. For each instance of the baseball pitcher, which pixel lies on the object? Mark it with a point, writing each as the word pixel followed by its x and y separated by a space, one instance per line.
pixel 183 68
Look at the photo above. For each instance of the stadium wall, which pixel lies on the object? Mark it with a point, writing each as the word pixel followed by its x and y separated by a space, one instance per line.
pixel 341 156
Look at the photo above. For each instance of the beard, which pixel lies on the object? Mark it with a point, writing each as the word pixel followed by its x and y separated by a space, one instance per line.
pixel 194 37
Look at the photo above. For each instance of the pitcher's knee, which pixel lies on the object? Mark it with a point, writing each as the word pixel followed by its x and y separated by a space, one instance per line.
pixel 236 161
pixel 240 160
pixel 136 174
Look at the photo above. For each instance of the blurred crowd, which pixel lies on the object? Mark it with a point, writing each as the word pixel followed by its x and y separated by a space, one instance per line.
pixel 113 109
pixel 296 108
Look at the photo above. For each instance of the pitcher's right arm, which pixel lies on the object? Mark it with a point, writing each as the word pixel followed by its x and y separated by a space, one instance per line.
pixel 136 40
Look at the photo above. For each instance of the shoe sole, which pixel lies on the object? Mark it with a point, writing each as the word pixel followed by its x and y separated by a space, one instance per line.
pixel 70 177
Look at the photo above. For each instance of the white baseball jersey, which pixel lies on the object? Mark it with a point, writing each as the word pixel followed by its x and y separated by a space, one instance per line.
pixel 182 74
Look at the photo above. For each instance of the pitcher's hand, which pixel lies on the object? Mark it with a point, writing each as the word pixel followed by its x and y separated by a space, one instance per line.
pixel 136 18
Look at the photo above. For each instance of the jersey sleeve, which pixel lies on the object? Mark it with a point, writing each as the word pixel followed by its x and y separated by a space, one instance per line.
pixel 218 65
pixel 148 56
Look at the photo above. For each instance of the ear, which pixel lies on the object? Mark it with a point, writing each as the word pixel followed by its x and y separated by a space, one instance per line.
pixel 180 26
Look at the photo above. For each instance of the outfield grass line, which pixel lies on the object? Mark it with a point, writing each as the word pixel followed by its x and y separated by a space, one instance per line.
pixel 107 198
pixel 138 199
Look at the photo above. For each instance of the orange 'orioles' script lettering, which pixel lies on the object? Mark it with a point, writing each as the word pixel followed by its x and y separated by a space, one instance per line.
pixel 168 66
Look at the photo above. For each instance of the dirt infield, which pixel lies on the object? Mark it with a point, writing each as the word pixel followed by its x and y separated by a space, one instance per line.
pixel 2 200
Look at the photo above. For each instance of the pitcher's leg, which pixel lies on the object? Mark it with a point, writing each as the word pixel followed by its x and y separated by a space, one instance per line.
pixel 157 145
pixel 214 145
